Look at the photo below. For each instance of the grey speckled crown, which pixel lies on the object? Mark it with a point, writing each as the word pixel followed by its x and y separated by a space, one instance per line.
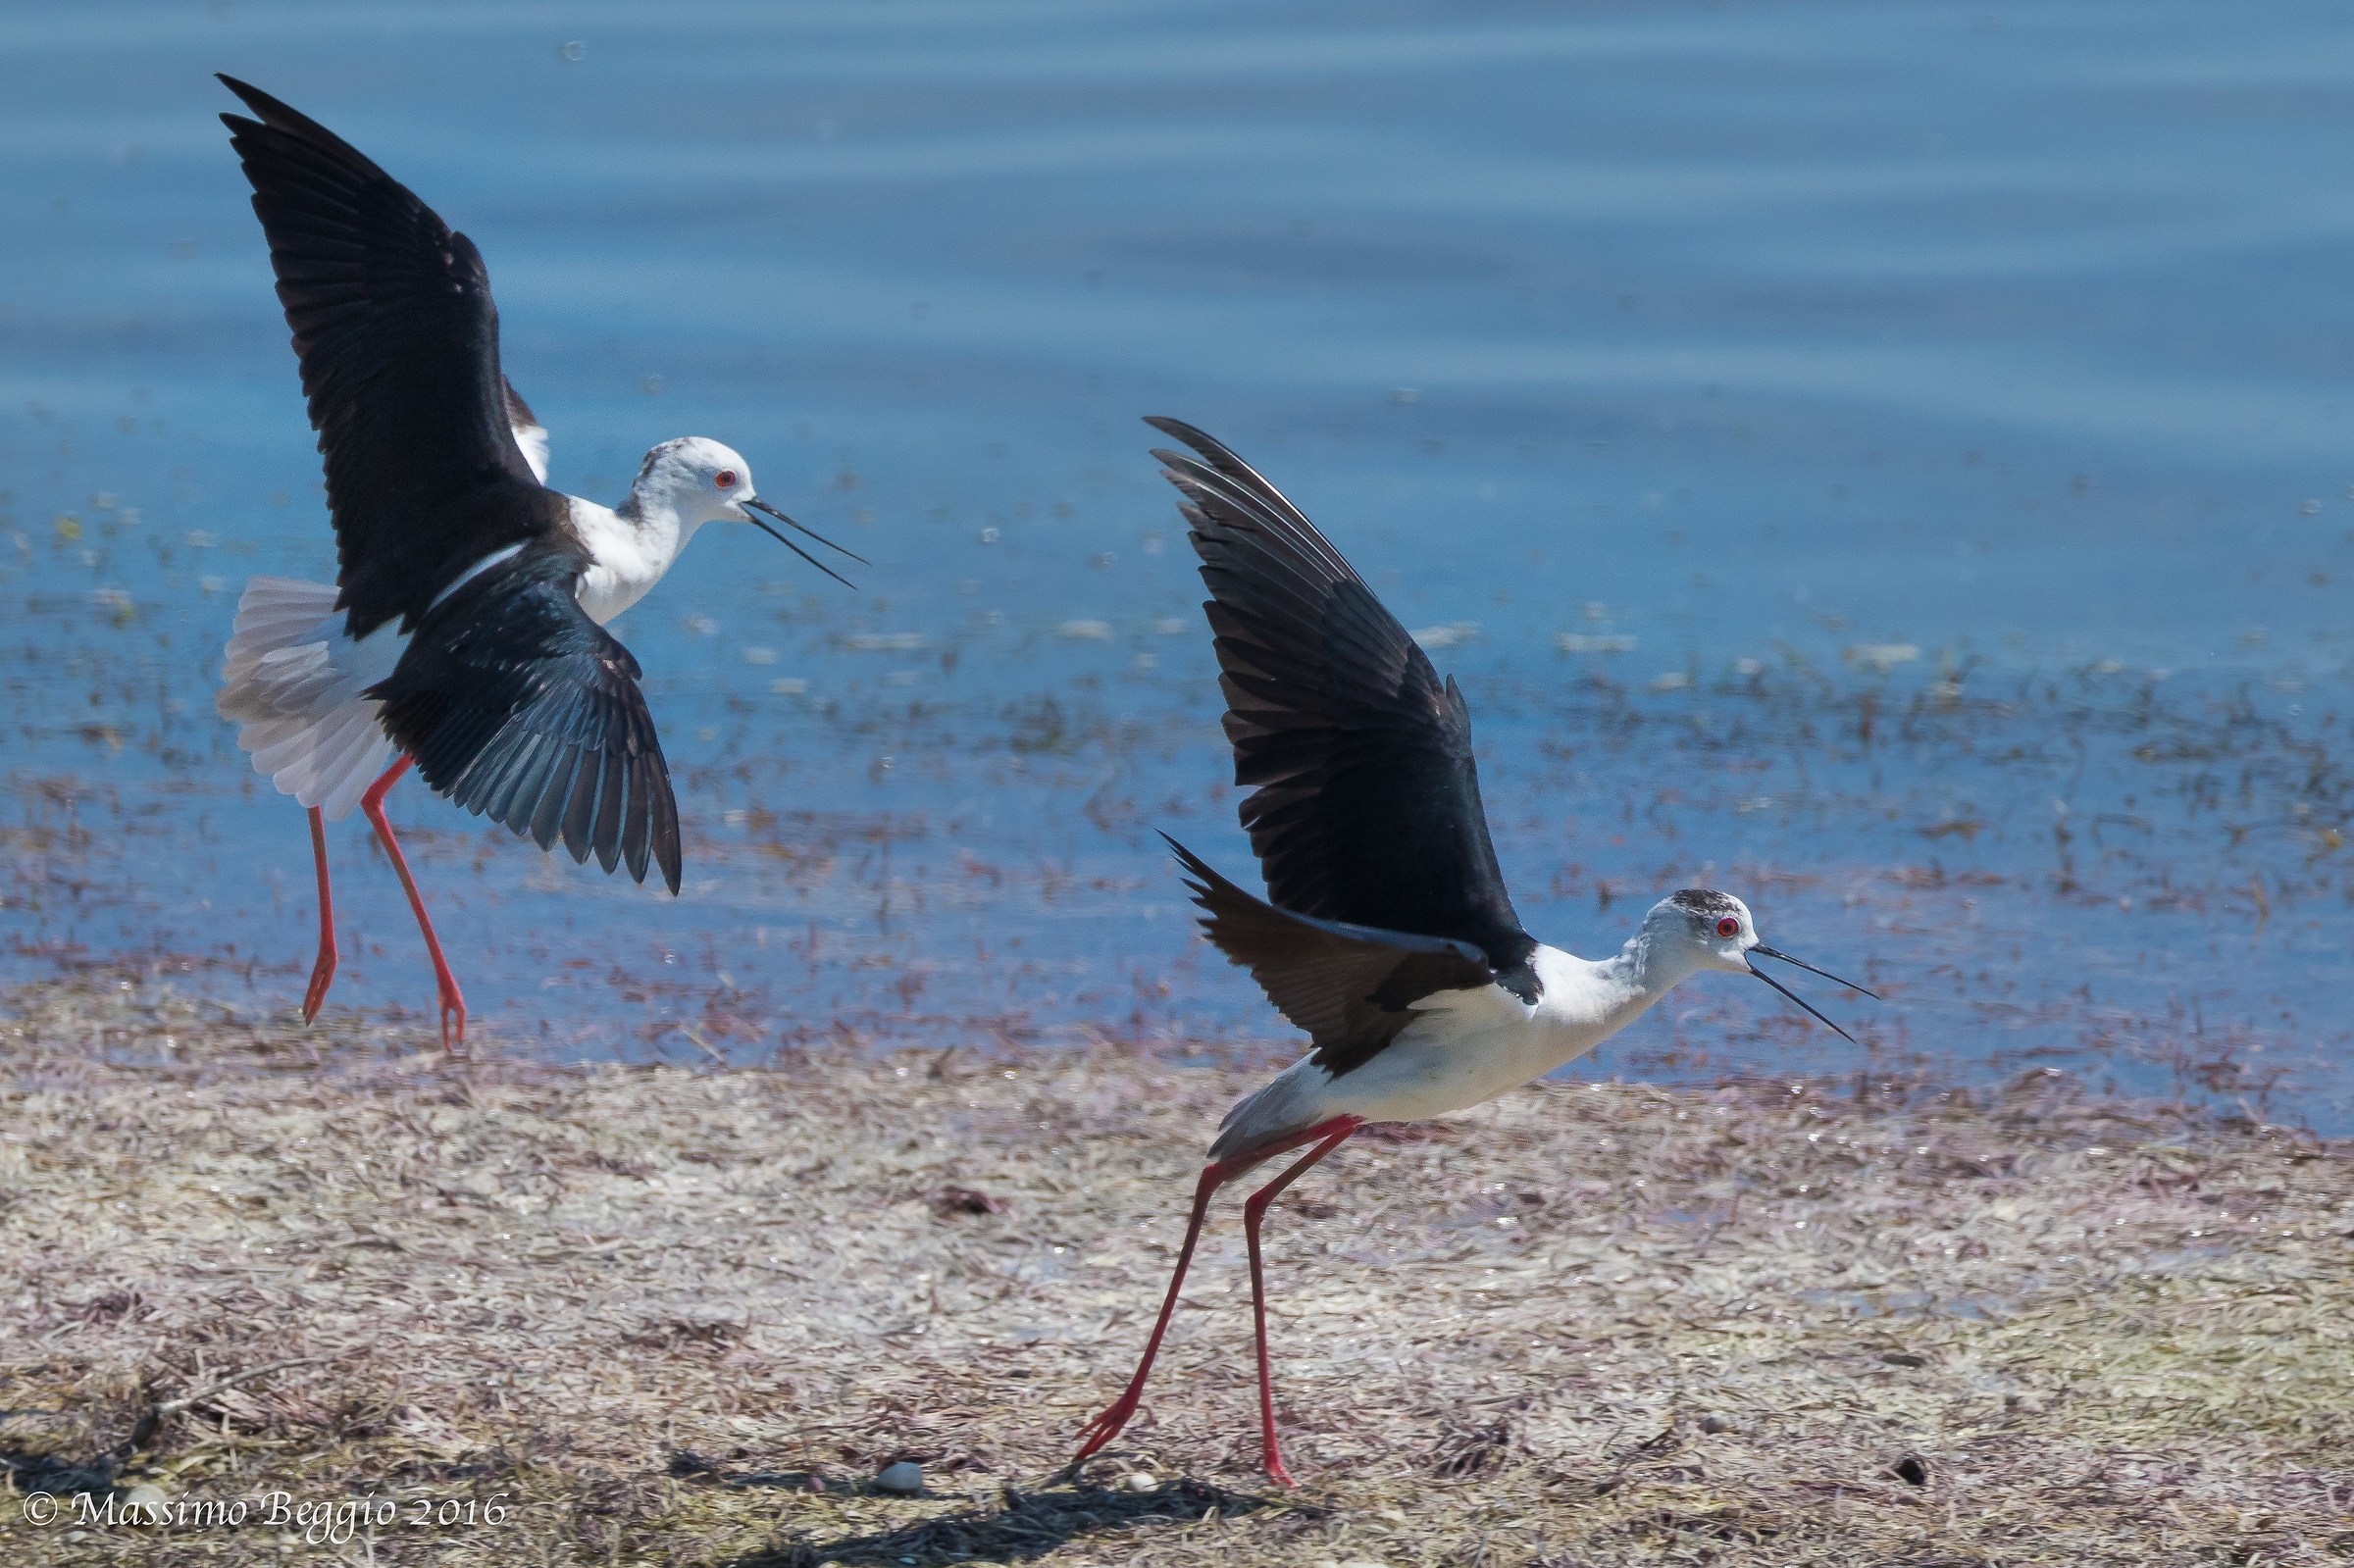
pixel 1705 902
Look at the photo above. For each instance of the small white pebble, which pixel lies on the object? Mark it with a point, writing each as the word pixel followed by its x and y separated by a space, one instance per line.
pixel 1137 1480
pixel 144 1502
pixel 907 1477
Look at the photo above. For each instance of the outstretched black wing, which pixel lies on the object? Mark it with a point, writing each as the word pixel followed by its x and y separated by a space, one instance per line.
pixel 1350 988
pixel 398 340
pixel 1364 805
pixel 519 707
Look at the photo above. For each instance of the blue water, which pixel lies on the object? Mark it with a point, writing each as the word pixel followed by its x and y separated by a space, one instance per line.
pixel 1928 425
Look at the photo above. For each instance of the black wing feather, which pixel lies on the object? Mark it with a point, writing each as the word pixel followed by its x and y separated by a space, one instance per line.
pixel 1350 988
pixel 398 340
pixel 1364 806
pixel 520 708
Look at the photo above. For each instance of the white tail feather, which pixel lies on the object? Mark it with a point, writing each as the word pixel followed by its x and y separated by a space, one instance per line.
pixel 291 679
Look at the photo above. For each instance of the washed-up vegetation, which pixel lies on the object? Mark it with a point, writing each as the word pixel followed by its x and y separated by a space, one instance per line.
pixel 662 1315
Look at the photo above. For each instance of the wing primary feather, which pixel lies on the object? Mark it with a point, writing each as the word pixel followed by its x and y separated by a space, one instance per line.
pixel 547 820
pixel 637 823
pixel 579 812
pixel 665 827
pixel 611 798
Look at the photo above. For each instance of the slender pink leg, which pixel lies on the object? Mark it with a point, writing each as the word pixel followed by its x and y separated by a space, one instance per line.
pixel 1106 1426
pixel 453 1004
pixel 322 968
pixel 1254 1209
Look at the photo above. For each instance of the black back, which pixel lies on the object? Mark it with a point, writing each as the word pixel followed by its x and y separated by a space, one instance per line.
pixel 1364 806
pixel 398 340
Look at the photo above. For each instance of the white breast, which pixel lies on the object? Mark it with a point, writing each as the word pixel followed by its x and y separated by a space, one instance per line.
pixel 626 556
pixel 1464 1047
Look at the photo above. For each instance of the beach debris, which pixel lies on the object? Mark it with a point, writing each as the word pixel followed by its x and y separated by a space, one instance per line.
pixel 1880 657
pixel 143 1431
pixel 955 1199
pixel 144 1503
pixel 1467 1450
pixel 2031 1384
pixel 904 1479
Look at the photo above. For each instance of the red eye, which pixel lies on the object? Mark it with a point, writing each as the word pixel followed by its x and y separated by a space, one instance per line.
pixel 1728 927
pixel 725 479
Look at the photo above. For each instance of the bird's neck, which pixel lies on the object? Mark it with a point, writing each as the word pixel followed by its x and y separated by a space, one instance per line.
pixel 1638 975
pixel 630 547
pixel 654 510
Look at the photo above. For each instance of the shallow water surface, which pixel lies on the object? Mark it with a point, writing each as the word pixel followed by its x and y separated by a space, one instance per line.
pixel 1888 462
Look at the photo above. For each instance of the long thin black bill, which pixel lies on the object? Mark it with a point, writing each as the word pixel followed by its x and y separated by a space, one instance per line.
pixel 1812 970
pixel 763 506
pixel 803 554
pixel 1800 1001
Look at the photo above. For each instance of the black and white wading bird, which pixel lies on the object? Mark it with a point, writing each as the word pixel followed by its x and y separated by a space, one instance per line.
pixel 465 632
pixel 1385 934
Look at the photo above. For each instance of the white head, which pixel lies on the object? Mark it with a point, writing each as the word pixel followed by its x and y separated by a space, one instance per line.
pixel 1700 928
pixel 693 481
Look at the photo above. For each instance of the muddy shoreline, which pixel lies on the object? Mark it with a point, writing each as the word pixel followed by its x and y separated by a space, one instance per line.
pixel 676 1316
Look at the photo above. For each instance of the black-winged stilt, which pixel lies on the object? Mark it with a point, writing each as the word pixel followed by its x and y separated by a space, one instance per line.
pixel 1385 934
pixel 464 632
